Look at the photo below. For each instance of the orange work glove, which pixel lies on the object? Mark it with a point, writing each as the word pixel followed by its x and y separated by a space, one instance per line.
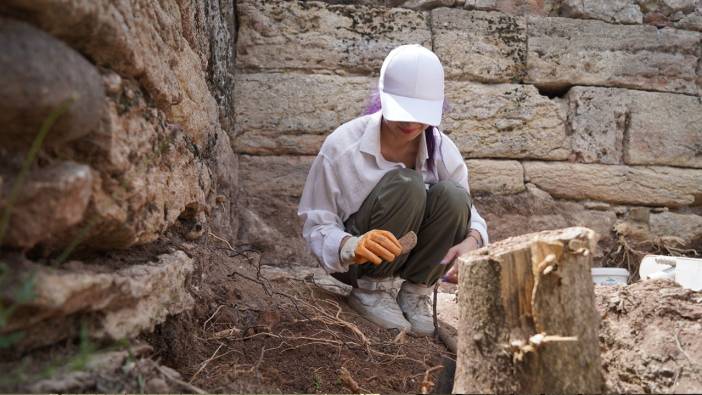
pixel 376 246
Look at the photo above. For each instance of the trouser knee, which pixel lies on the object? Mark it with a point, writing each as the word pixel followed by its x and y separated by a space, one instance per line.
pixel 449 196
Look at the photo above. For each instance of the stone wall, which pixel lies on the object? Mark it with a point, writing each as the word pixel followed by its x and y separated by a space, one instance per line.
pixel 567 112
pixel 145 147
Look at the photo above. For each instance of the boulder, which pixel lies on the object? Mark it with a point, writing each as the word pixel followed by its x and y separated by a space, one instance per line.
pixel 38 75
pixel 565 52
pixel 505 121
pixel 314 36
pixel 480 46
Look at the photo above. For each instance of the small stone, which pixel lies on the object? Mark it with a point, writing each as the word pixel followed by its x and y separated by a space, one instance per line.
pixel 157 385
pixel 113 83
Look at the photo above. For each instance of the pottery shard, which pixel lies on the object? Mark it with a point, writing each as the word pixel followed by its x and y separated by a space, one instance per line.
pixel 563 52
pixel 649 185
pixel 283 114
pixel 316 36
pixel 480 46
pixel 505 120
pixel 500 177
pixel 39 74
pixel 612 125
pixel 50 202
pixel 129 301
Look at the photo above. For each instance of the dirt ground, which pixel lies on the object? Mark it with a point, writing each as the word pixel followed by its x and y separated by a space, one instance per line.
pixel 650 337
pixel 249 333
pixel 255 332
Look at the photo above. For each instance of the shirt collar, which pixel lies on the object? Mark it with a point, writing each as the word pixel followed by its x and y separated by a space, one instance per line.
pixel 370 141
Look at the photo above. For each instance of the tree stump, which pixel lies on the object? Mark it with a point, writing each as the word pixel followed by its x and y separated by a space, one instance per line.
pixel 527 318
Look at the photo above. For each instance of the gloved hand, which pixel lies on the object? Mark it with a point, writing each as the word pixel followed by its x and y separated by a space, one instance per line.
pixel 374 246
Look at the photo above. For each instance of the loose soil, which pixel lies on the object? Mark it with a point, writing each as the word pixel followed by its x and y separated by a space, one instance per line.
pixel 650 337
pixel 251 334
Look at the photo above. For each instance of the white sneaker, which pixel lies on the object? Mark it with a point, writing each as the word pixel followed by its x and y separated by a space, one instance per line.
pixel 373 300
pixel 415 302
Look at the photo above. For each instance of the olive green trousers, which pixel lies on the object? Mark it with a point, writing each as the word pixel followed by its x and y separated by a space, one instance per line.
pixel 400 203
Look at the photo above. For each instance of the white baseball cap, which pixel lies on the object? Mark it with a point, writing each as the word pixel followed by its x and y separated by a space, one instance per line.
pixel 411 85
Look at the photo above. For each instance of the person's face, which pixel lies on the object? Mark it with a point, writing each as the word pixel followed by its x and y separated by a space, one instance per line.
pixel 404 131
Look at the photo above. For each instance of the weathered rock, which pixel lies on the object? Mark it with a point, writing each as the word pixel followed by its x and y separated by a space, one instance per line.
pixel 499 177
pixel 505 121
pixel 682 14
pixel 654 185
pixel 149 173
pixel 320 37
pixel 271 189
pixel 210 29
pixel 292 113
pixel 38 75
pixel 565 52
pixel 275 175
pixel 686 226
pixel 480 46
pixel 428 4
pixel 515 7
pixel 51 201
pixel 115 304
pixel 613 11
pixel 142 40
pixel 535 210
pixel 601 118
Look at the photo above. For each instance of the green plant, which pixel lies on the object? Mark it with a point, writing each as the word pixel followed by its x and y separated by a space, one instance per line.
pixel 27 164
pixel 316 382
pixel 19 295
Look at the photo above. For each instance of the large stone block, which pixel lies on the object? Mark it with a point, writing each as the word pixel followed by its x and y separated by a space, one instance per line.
pixel 283 114
pixel 653 185
pixel 646 128
pixel 515 7
pixel 281 35
pixel 613 11
pixel 274 175
pixel 51 201
pixel 505 121
pixel 500 177
pixel 39 74
pixel 480 46
pixel 564 52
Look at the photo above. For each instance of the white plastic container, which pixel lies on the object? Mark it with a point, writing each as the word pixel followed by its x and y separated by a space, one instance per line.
pixel 685 271
pixel 609 275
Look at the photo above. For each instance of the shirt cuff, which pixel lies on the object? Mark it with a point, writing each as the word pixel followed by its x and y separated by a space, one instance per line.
pixel 330 252
pixel 483 232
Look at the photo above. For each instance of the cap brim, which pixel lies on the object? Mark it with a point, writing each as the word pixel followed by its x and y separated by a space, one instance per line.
pixel 408 109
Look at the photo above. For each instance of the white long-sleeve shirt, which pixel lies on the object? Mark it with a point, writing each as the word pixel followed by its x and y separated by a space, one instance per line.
pixel 348 167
